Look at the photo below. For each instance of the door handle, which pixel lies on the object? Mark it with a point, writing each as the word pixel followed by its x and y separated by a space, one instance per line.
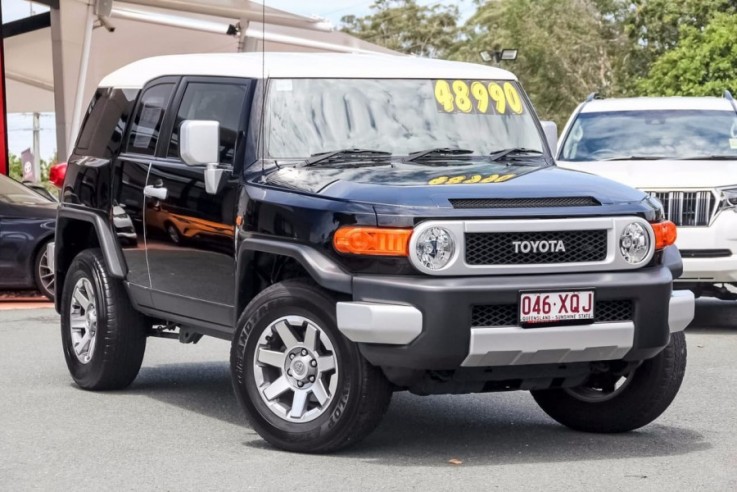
pixel 158 192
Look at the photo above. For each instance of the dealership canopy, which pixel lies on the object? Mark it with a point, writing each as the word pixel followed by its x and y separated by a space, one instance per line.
pixel 54 61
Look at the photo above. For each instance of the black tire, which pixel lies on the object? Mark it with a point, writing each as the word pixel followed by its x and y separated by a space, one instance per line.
pixel 362 392
pixel 173 233
pixel 39 271
pixel 120 339
pixel 652 388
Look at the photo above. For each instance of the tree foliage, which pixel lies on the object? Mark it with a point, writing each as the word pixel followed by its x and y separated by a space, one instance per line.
pixel 656 26
pixel 567 48
pixel 407 27
pixel 703 63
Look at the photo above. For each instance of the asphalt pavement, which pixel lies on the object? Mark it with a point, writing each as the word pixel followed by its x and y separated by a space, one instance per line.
pixel 178 427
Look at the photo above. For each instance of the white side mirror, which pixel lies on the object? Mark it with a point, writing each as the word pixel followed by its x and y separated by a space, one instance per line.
pixel 199 142
pixel 551 135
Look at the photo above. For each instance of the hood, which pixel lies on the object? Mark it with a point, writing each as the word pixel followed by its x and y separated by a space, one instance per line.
pixel 663 174
pixel 432 186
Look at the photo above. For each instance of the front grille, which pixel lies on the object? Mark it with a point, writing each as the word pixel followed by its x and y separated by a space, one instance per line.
pixel 498 248
pixel 687 208
pixel 573 201
pixel 507 314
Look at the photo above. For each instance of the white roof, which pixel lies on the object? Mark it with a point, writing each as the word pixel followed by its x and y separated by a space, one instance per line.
pixel 298 65
pixel 657 103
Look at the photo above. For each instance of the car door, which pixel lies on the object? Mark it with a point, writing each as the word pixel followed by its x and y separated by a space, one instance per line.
pixel 131 168
pixel 190 234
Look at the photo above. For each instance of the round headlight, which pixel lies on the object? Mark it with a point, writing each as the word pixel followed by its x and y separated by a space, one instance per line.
pixel 634 243
pixel 435 248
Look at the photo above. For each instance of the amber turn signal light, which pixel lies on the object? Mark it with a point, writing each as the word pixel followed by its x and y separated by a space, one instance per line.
pixel 665 234
pixel 372 241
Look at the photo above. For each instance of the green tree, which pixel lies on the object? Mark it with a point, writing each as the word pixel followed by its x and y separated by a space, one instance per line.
pixel 567 48
pixel 703 63
pixel 406 27
pixel 655 27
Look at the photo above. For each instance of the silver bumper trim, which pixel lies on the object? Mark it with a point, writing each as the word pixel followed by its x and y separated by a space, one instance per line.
pixel 51 254
pixel 517 346
pixel 681 310
pixel 367 322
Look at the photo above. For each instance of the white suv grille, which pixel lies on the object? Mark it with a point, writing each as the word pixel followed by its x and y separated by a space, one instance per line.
pixel 687 208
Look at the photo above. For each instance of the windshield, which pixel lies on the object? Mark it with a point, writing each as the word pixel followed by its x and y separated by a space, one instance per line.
pixel 672 134
pixel 15 193
pixel 305 117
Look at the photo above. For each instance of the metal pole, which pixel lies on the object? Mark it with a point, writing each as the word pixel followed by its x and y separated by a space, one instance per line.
pixel 82 77
pixel 37 147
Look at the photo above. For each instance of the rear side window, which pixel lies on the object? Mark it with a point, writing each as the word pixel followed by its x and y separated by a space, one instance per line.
pixel 147 121
pixel 104 124
pixel 215 102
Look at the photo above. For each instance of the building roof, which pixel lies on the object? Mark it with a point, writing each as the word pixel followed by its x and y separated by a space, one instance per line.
pixel 657 103
pixel 299 65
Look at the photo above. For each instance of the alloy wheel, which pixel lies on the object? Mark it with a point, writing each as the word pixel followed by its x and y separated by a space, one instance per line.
pixel 295 369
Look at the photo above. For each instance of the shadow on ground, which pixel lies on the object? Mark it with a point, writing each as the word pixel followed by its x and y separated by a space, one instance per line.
pixel 491 429
pixel 715 315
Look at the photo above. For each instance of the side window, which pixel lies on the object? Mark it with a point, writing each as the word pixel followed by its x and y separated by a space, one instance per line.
pixel 216 102
pixel 104 124
pixel 147 121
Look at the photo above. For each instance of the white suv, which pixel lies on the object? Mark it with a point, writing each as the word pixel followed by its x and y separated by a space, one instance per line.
pixel 681 150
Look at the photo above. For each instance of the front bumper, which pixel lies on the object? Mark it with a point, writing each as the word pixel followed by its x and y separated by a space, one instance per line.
pixel 426 323
pixel 721 238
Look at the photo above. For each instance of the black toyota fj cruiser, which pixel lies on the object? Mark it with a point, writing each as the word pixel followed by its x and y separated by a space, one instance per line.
pixel 359 225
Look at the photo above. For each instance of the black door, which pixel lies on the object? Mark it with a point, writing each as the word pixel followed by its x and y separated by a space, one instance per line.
pixel 190 234
pixel 132 169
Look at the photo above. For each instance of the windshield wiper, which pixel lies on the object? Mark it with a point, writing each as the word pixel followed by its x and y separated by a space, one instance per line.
pixel 715 157
pixel 438 152
pixel 635 158
pixel 348 154
pixel 513 152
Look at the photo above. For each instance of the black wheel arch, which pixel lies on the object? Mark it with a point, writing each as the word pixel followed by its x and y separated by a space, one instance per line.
pixel 79 229
pixel 284 259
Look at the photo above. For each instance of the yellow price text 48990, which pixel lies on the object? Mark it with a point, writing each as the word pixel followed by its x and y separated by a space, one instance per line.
pixel 478 97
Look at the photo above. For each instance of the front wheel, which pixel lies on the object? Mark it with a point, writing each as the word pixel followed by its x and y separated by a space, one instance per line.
pixel 303 385
pixel 611 403
pixel 103 337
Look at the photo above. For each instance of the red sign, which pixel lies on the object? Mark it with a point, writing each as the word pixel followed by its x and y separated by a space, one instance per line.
pixel 3 114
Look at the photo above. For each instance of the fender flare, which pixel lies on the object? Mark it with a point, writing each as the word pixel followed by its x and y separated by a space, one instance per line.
pixel 321 268
pixel 114 259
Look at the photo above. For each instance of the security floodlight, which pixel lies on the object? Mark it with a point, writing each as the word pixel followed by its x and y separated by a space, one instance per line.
pixel 509 54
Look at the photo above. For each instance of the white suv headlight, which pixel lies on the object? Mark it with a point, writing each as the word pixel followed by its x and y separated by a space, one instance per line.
pixel 728 199
pixel 435 248
pixel 634 243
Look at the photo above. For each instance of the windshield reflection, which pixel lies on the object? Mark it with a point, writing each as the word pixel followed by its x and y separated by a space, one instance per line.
pixel 651 134
pixel 309 116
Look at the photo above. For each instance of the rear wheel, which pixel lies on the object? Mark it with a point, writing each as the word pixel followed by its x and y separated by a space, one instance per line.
pixel 103 337
pixel 43 274
pixel 610 403
pixel 302 384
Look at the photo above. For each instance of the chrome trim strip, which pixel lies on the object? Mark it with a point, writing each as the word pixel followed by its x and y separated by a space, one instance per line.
pixel 458 229
pixel 681 310
pixel 366 322
pixel 553 345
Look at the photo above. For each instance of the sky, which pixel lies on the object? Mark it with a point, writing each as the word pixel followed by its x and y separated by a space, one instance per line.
pixel 19 125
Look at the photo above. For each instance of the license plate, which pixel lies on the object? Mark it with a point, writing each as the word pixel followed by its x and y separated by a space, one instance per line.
pixel 556 307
